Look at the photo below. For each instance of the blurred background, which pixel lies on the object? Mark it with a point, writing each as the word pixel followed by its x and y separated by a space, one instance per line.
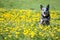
pixel 24 24
pixel 29 4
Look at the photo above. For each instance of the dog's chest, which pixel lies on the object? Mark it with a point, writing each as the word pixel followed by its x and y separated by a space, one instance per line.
pixel 45 16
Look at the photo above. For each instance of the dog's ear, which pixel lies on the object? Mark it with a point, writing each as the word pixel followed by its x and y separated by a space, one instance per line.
pixel 48 7
pixel 41 7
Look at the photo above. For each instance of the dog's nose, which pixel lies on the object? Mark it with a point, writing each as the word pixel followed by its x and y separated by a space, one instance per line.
pixel 44 12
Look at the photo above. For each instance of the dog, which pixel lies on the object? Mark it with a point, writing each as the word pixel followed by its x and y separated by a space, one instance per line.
pixel 45 15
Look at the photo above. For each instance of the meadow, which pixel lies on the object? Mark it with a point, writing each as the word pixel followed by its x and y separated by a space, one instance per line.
pixel 20 20
pixel 24 25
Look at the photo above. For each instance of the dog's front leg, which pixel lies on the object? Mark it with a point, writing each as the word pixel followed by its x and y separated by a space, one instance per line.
pixel 41 21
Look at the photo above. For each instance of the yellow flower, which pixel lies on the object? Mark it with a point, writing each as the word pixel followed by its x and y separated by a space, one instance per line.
pixel 16 36
pixel 2 9
pixel 25 20
pixel 35 29
pixel 41 34
pixel 58 30
pixel 17 33
pixel 1 19
pixel 23 17
pixel 28 14
pixel 6 30
pixel 28 20
pixel 0 29
pixel 57 37
pixel 40 26
pixel 46 28
pixel 7 15
pixel 38 15
pixel 26 32
pixel 12 29
pixel 32 34
pixel 55 28
pixel 9 35
pixel 5 38
pixel 52 34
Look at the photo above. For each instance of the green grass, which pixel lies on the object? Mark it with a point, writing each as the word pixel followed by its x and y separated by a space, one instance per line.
pixel 34 5
pixel 29 4
pixel 13 21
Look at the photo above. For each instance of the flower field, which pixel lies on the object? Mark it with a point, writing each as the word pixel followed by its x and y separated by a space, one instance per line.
pixel 16 24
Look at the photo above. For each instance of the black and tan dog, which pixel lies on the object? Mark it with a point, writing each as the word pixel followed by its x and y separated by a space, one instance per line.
pixel 45 16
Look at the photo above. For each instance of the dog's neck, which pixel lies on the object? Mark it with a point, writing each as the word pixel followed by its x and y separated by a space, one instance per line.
pixel 45 16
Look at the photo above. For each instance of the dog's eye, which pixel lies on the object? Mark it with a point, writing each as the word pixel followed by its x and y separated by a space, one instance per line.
pixel 46 9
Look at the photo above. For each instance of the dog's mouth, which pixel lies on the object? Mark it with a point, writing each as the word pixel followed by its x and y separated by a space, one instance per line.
pixel 44 14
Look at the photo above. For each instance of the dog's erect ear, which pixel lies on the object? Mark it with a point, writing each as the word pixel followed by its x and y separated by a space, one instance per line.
pixel 47 7
pixel 41 7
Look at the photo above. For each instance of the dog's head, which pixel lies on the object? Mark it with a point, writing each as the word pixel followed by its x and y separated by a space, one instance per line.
pixel 45 10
